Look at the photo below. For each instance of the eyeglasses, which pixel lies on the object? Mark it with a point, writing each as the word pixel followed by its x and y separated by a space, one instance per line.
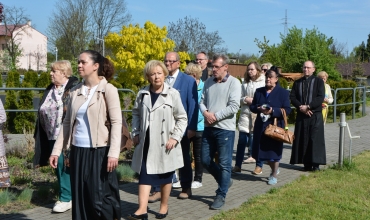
pixel 265 70
pixel 217 67
pixel 307 67
pixel 199 59
pixel 170 61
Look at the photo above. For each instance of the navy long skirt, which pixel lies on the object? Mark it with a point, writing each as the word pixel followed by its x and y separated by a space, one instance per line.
pixel 95 192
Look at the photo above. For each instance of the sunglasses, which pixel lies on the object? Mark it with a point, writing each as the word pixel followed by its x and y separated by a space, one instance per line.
pixel 264 70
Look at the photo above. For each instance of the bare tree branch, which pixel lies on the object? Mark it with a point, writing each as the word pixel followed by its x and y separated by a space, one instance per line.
pixel 191 34
pixel 15 27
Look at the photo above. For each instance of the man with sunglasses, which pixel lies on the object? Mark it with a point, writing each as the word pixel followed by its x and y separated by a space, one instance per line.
pixel 219 104
pixel 202 60
pixel 187 87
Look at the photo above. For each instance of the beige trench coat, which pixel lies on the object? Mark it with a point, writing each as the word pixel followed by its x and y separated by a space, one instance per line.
pixel 166 119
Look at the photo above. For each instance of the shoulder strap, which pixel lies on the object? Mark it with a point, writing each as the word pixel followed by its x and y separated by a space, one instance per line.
pixel 285 120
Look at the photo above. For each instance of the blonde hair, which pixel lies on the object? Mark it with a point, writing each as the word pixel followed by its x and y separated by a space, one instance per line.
pixel 194 69
pixel 323 73
pixel 64 66
pixel 268 65
pixel 151 65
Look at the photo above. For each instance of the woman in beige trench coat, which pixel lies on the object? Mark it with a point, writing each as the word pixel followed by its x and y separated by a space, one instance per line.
pixel 159 122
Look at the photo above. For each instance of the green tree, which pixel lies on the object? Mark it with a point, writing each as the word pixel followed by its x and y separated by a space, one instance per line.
pixel 11 103
pixel 12 79
pixel 31 77
pixel 25 120
pixel 133 47
pixel 297 47
pixel 43 81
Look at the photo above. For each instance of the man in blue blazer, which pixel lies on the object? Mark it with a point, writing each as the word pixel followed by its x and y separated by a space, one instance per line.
pixel 187 88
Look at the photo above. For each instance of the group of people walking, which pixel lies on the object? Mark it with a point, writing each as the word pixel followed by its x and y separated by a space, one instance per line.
pixel 79 125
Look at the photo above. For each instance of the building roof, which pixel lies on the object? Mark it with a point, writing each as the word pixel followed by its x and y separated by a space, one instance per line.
pixel 346 69
pixel 7 30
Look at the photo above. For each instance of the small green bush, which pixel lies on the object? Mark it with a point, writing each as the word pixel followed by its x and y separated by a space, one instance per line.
pixel 6 196
pixel 283 82
pixel 43 81
pixel 31 77
pixel 25 120
pixel 10 103
pixel 124 172
pixel 13 78
pixel 25 195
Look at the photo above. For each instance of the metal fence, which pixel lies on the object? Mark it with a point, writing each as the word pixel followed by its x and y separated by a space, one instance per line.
pixel 42 89
pixel 364 91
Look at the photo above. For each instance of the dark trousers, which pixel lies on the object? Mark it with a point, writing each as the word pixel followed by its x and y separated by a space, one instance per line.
pixel 186 173
pixel 197 148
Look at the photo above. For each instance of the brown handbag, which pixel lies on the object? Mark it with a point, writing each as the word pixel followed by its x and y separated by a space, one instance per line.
pixel 278 133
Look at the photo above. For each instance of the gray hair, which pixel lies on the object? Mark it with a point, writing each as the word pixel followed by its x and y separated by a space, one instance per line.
pixel 177 55
pixel 225 58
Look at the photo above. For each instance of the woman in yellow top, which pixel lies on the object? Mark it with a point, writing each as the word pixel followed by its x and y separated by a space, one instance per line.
pixel 328 96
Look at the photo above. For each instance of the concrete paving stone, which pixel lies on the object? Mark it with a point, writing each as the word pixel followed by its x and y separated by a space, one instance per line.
pixel 245 185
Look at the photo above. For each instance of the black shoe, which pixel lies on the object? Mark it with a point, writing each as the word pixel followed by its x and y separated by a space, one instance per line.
pixel 135 217
pixel 315 169
pixel 161 216
pixel 307 169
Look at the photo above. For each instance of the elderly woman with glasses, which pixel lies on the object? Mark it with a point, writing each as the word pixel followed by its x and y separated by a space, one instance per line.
pixel 159 121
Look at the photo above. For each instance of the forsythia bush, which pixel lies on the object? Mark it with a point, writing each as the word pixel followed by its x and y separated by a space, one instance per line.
pixel 133 47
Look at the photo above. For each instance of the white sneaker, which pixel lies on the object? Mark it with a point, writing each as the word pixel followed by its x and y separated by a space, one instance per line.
pixel 62 206
pixel 176 185
pixel 196 185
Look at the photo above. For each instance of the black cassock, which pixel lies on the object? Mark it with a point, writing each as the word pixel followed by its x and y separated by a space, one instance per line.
pixel 309 143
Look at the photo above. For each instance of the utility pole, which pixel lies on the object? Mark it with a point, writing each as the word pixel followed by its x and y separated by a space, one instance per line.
pixel 239 54
pixel 286 22
pixel 102 39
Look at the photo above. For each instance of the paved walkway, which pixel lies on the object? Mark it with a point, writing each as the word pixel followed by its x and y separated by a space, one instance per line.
pixel 245 185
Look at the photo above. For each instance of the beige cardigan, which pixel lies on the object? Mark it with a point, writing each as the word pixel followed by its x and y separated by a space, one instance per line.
pixel 97 117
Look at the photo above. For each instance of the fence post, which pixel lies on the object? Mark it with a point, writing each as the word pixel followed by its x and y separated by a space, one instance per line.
pixel 364 102
pixel 342 126
pixel 335 106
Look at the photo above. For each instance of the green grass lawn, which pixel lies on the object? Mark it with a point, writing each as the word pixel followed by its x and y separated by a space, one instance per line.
pixel 329 194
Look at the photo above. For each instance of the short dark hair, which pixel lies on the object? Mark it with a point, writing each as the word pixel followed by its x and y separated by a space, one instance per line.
pixel 273 69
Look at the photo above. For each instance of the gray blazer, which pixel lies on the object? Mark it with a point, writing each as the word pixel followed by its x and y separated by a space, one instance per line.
pixel 166 119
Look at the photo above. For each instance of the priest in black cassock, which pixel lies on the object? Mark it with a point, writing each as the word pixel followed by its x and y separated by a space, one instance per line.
pixel 306 95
